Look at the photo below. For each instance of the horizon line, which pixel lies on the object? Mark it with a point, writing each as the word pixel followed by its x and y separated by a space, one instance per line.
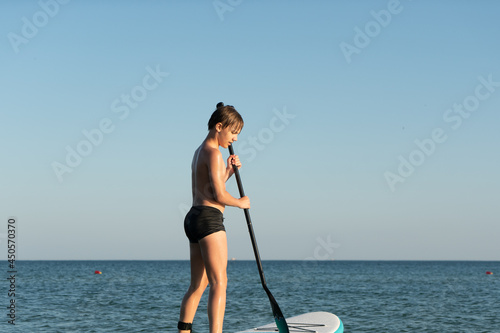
pixel 233 259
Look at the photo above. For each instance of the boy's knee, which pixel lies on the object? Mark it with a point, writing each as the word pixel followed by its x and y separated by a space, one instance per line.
pixel 218 283
pixel 198 288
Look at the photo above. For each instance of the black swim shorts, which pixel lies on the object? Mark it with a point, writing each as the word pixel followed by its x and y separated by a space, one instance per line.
pixel 202 221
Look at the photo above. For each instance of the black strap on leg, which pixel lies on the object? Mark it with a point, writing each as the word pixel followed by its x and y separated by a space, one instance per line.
pixel 185 326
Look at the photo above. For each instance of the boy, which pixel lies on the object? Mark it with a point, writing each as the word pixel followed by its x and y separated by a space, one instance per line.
pixel 204 222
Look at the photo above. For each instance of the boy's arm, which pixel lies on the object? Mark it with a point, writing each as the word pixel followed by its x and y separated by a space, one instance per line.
pixel 217 173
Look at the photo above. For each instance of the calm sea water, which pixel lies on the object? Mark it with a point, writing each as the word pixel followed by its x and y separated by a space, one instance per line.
pixel 144 296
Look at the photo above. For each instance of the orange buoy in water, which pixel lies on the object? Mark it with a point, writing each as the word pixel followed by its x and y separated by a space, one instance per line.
pixel 489 273
pixel 97 272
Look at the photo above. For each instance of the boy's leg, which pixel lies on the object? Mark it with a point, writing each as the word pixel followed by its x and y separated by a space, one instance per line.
pixel 214 251
pixel 198 285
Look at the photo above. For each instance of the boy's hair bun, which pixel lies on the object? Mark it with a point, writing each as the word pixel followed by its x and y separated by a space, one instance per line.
pixel 220 104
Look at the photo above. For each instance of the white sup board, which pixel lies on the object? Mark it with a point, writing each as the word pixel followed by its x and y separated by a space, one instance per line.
pixel 318 322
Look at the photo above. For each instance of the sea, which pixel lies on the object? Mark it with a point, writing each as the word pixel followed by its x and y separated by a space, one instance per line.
pixel 145 296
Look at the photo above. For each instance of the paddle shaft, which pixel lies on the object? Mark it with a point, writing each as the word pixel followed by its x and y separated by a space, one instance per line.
pixel 249 223
pixel 278 315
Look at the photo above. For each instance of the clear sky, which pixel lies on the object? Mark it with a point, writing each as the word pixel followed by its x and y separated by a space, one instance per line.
pixel 371 127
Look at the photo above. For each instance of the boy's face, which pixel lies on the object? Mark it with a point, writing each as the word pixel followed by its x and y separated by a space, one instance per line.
pixel 226 136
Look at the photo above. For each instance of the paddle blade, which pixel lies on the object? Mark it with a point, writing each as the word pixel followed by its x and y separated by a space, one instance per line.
pixel 281 324
pixel 277 314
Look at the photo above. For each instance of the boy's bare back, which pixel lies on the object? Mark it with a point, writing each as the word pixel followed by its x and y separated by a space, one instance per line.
pixel 202 176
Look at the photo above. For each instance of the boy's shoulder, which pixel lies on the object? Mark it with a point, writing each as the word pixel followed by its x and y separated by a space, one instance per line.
pixel 210 152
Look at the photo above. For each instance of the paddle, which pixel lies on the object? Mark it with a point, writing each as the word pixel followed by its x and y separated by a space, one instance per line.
pixel 278 315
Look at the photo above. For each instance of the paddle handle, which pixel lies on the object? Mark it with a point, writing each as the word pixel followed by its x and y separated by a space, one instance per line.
pixel 249 223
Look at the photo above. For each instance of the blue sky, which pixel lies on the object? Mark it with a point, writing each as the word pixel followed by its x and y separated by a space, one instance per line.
pixel 371 127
